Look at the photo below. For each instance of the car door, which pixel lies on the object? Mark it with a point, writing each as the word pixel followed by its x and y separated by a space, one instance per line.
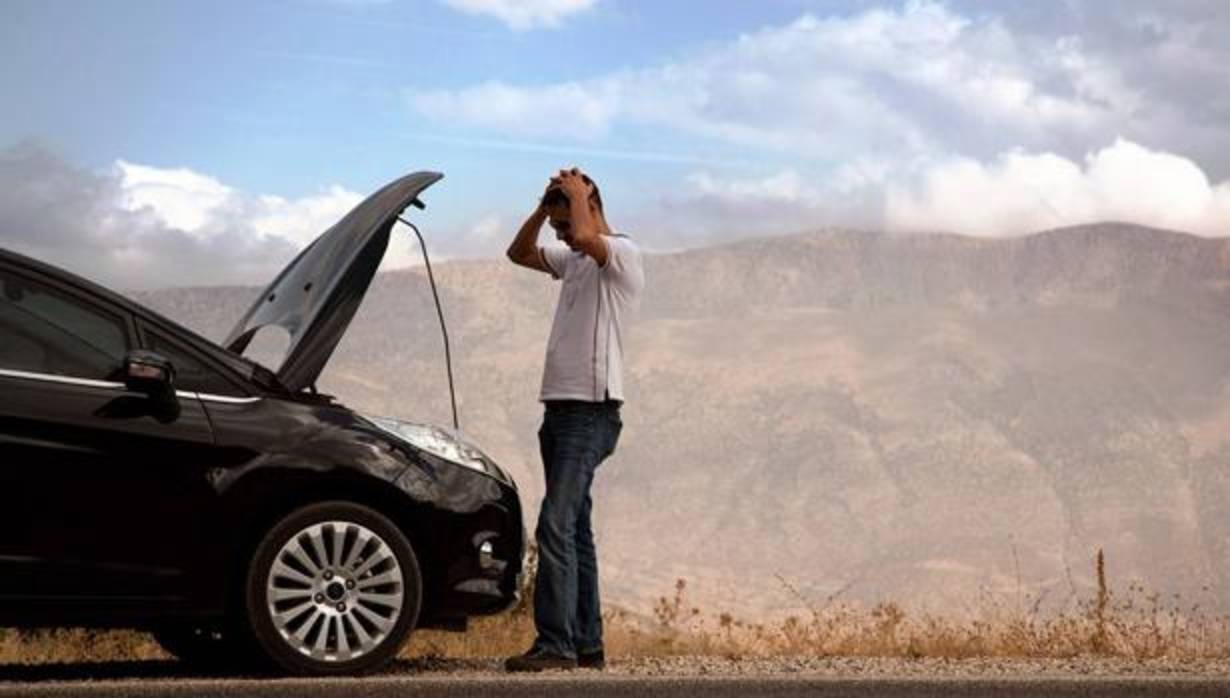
pixel 97 491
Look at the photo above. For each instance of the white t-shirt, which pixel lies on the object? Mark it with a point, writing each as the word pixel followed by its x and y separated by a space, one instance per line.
pixel 596 307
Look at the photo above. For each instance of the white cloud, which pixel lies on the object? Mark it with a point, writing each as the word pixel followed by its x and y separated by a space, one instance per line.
pixel 569 109
pixel 94 224
pixel 521 15
pixel 785 186
pixel 1014 193
pixel 180 197
pixel 203 206
pixel 573 151
pixel 304 218
pixel 1020 192
pixel 920 115
pixel 917 80
pixel 138 226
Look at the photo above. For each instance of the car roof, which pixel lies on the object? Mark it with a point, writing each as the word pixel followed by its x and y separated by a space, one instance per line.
pixel 62 274
pixel 132 306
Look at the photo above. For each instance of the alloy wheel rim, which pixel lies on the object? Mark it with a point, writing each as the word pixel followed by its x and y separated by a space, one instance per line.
pixel 335 591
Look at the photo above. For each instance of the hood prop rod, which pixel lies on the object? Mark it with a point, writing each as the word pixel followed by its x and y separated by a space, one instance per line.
pixel 448 357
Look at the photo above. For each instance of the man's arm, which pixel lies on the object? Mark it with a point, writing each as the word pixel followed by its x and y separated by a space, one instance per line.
pixel 524 247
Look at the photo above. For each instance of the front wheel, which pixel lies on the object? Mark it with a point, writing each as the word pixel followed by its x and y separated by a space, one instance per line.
pixel 333 588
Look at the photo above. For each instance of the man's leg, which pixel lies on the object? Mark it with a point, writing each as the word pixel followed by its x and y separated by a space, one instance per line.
pixel 589 608
pixel 569 456
pixel 588 636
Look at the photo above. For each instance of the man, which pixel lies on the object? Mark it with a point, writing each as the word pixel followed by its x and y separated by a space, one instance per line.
pixel 582 390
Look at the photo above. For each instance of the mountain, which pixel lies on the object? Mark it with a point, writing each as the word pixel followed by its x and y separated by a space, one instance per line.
pixel 919 418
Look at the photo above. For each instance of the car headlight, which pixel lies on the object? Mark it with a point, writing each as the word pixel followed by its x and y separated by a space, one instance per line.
pixel 442 443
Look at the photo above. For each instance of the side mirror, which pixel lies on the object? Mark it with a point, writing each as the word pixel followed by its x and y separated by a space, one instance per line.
pixel 152 375
pixel 149 373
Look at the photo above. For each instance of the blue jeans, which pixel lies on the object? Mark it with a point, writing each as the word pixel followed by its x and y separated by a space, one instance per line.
pixel 574 439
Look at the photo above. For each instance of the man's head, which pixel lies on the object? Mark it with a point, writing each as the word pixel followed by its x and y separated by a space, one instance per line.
pixel 559 213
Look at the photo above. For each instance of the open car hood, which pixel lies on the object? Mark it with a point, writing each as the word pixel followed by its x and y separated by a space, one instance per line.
pixel 316 295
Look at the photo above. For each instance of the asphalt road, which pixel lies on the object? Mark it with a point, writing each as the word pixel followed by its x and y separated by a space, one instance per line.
pixel 138 679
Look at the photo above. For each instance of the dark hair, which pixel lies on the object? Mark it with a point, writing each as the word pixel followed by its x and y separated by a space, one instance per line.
pixel 555 196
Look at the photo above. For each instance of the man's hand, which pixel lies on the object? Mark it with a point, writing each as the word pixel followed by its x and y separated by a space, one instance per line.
pixel 552 183
pixel 572 183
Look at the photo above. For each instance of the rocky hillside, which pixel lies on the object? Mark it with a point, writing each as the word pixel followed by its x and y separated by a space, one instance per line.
pixel 921 418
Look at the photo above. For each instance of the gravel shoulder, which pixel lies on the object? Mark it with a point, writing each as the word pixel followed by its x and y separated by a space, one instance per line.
pixel 1084 667
pixel 716 677
pixel 855 667
pixel 22 678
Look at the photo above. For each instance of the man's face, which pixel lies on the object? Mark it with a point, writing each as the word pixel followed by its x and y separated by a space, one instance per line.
pixel 560 218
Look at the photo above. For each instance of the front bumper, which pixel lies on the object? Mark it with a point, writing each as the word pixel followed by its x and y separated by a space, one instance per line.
pixel 487 580
pixel 473 542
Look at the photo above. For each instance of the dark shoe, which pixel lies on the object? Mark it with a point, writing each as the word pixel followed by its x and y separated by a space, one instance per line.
pixel 537 660
pixel 591 660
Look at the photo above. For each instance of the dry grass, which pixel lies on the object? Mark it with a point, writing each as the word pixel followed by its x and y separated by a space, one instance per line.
pixel 72 645
pixel 1133 624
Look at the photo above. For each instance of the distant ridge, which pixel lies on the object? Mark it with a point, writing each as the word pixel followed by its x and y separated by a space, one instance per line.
pixel 912 417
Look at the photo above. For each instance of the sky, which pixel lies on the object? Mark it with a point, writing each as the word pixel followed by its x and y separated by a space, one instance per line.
pixel 162 143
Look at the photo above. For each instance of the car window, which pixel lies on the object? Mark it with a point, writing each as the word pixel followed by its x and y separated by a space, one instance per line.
pixel 46 331
pixel 191 373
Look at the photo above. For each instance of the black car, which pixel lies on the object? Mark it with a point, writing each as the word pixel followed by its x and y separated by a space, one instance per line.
pixel 152 479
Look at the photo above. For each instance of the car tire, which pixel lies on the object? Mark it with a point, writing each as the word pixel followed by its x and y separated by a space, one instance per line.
pixel 333 588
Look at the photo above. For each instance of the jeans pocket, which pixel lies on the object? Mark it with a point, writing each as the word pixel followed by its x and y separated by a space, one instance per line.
pixel 614 427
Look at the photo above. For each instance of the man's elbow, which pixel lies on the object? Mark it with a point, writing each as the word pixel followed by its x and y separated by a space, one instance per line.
pixel 517 256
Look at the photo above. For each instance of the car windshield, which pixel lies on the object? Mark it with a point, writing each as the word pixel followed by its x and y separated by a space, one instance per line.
pixel 244 366
pixel 252 370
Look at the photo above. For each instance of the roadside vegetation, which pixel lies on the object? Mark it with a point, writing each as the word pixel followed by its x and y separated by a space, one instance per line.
pixel 1132 623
